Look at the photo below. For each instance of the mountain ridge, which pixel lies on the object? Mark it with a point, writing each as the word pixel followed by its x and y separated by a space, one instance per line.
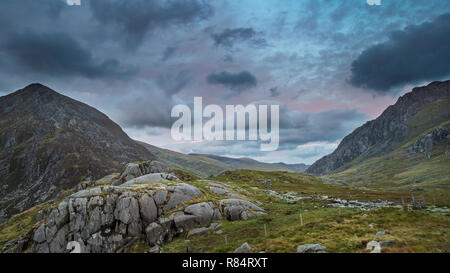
pixel 50 141
pixel 397 125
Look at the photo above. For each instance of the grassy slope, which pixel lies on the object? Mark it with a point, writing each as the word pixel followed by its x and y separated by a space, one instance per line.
pixel 348 231
pixel 413 231
pixel 204 165
pixel 402 170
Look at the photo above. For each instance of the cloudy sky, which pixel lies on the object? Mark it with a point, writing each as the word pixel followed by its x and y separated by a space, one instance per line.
pixel 331 65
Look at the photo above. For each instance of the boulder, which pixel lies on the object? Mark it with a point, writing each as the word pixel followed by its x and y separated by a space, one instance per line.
pixel 149 212
pixel 183 221
pixel 311 248
pixel 181 193
pixel 134 170
pixel 152 177
pixel 374 246
pixel 197 232
pixel 244 248
pixel 154 233
pixel 237 209
pixel 203 211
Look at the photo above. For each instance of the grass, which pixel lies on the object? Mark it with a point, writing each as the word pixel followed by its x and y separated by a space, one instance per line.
pixel 347 231
pixel 20 224
pixel 339 230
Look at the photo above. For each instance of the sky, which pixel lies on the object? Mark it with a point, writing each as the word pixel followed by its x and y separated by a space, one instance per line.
pixel 331 65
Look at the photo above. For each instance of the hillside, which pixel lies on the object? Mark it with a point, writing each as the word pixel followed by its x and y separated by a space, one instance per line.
pixel 405 148
pixel 205 165
pixel 270 211
pixel 50 142
pixel 396 126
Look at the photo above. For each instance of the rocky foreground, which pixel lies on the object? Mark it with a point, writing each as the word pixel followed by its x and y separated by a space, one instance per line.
pixel 145 201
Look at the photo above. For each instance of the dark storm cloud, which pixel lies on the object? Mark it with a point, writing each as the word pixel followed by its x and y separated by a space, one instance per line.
pixel 229 37
pixel 136 18
pixel 417 53
pixel 234 81
pixel 168 53
pixel 58 54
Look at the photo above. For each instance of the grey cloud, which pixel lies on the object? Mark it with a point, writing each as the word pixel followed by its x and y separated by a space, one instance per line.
pixel 173 83
pixel 228 37
pixel 136 18
pixel 58 54
pixel 168 53
pixel 274 92
pixel 417 53
pixel 234 81
pixel 143 111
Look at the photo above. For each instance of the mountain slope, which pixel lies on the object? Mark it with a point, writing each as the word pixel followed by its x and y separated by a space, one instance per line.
pixel 246 163
pixel 49 142
pixel 205 164
pixel 397 125
pixel 405 148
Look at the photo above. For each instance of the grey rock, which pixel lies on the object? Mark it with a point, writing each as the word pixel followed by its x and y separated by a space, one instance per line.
pixel 154 233
pixel 181 193
pixel 155 249
pixel 134 170
pixel 148 209
pixel 244 248
pixel 39 234
pixel 218 190
pixel 203 211
pixel 197 232
pixel 42 248
pixel 183 222
pixel 127 210
pixel 380 234
pixel 236 209
pixel 153 177
pixel 160 197
pixel 310 248
pixel 59 242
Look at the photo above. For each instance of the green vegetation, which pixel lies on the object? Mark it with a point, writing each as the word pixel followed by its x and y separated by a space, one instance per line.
pixel 403 171
pixel 339 230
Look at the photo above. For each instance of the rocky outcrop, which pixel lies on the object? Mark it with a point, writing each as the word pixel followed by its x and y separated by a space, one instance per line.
pixel 385 133
pixel 311 248
pixel 109 218
pixel 237 209
pixel 426 142
pixel 244 248
pixel 49 142
pixel 139 169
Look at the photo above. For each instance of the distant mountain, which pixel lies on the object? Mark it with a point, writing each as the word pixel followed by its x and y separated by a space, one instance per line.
pixel 201 166
pixel 49 142
pixel 246 163
pixel 407 144
pixel 299 168
pixel 205 164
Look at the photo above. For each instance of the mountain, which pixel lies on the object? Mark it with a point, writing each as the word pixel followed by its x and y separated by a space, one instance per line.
pixel 406 145
pixel 205 164
pixel 299 168
pixel 50 142
pixel 247 163
pixel 201 166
